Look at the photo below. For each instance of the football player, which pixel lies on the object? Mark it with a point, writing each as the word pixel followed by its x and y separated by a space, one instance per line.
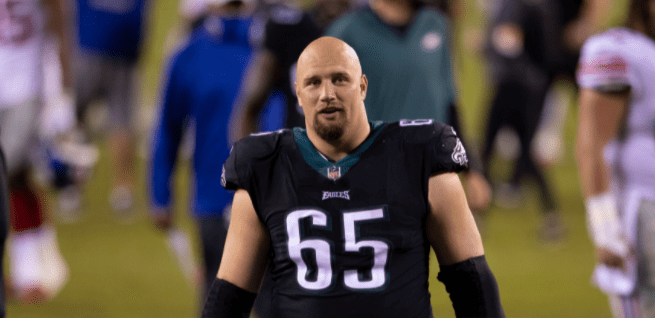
pixel 615 148
pixel 201 85
pixel 109 43
pixel 24 25
pixel 349 209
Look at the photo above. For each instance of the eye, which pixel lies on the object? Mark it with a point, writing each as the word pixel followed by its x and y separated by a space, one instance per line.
pixel 313 82
pixel 340 79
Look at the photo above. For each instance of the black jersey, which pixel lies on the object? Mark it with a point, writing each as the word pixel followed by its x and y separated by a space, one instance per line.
pixel 288 31
pixel 348 237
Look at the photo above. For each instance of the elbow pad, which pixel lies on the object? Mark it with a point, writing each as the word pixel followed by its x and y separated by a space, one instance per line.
pixel 226 300
pixel 472 288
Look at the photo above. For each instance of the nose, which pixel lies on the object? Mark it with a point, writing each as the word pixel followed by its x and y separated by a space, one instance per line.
pixel 327 92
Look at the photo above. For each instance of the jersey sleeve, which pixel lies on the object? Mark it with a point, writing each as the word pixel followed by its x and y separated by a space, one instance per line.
pixel 603 65
pixel 444 150
pixel 172 122
pixel 230 175
pixel 438 143
pixel 244 155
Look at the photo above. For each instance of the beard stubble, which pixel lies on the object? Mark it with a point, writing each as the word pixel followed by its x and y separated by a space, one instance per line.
pixel 330 131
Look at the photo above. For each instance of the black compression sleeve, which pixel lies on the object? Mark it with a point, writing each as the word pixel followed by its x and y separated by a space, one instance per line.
pixel 472 287
pixel 226 300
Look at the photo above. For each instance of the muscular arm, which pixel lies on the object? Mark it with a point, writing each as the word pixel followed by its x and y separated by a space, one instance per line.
pixel 599 120
pixel 450 227
pixel 255 89
pixel 455 239
pixel 243 263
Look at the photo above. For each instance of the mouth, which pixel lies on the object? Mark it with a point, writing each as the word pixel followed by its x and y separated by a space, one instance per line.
pixel 330 110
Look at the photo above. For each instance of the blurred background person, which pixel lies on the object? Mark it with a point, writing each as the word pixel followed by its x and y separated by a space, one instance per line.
pixel 37 271
pixel 203 81
pixel 530 44
pixel 405 50
pixel 288 31
pixel 191 15
pixel 109 35
pixel 4 228
pixel 615 148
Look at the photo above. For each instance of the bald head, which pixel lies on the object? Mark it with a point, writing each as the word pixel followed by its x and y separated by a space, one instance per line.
pixel 326 51
pixel 331 90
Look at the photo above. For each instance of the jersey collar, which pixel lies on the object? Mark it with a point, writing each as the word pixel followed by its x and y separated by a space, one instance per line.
pixel 333 170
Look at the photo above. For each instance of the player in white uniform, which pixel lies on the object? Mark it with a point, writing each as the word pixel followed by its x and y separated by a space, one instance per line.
pixel 616 156
pixel 23 27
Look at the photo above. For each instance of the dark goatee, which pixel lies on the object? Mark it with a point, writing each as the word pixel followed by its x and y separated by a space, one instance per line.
pixel 328 132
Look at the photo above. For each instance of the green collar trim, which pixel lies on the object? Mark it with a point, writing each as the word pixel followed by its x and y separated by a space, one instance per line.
pixel 333 170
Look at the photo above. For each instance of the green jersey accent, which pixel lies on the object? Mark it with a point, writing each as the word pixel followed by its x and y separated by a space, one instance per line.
pixel 409 74
pixel 332 170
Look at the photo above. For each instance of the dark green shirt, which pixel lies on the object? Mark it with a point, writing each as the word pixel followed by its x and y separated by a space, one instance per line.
pixel 409 69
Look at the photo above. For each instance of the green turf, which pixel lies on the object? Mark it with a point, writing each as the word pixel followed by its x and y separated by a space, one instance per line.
pixel 125 270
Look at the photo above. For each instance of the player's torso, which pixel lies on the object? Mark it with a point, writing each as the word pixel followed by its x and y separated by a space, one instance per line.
pixel 213 70
pixel 637 149
pixel 408 73
pixel 353 246
pixel 21 36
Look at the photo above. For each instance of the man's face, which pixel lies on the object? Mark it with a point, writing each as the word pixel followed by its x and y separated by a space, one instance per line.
pixel 331 90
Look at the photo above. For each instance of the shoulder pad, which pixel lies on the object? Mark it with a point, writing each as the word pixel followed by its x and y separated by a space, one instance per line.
pixel 262 144
pixel 419 131
pixel 443 150
pixel 286 15
pixel 604 62
pixel 245 153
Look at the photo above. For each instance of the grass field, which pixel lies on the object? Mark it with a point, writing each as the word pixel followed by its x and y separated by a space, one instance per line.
pixel 125 270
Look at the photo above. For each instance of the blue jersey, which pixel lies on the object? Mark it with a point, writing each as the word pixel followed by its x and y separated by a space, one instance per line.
pixel 203 82
pixel 111 27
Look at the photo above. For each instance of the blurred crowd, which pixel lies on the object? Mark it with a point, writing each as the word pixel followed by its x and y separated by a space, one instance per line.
pixel 69 81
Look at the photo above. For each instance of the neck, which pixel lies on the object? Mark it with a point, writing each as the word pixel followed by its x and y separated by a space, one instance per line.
pixel 393 12
pixel 338 149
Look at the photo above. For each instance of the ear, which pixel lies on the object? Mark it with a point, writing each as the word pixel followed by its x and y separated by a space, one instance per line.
pixel 363 86
pixel 295 88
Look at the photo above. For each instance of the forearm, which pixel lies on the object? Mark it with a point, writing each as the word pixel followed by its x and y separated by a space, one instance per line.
pixel 594 175
pixel 600 116
pixel 472 288
pixel 162 165
pixel 245 117
pixel 256 88
pixel 594 132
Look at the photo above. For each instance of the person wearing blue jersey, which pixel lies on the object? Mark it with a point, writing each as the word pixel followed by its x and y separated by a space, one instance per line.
pixel 109 40
pixel 202 83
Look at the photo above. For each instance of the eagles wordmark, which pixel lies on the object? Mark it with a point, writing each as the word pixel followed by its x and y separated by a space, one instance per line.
pixel 337 195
